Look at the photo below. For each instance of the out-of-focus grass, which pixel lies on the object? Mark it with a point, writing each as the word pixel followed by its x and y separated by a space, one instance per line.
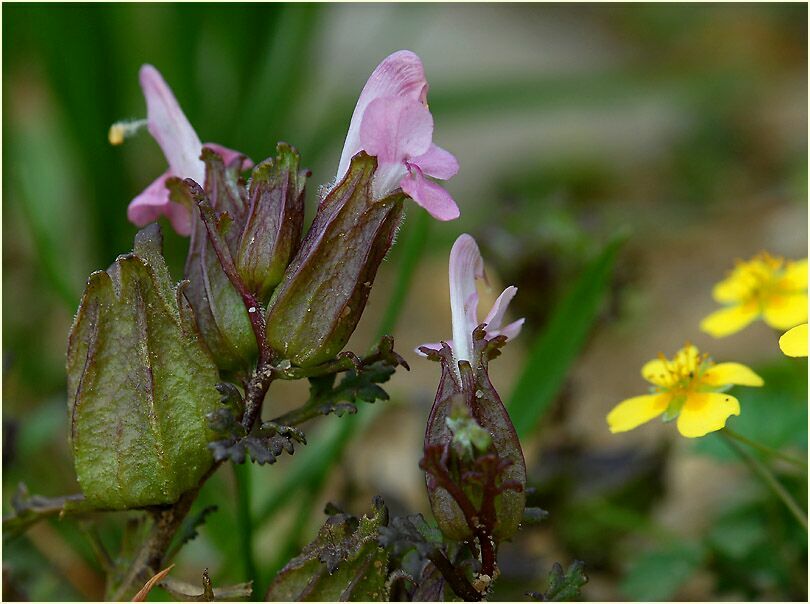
pixel 558 346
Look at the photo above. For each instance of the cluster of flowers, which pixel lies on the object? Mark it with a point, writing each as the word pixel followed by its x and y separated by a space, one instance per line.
pixel 691 387
pixel 392 124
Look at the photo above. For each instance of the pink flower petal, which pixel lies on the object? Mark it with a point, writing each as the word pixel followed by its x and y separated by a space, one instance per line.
pixel 170 127
pixel 466 265
pixel 180 144
pixel 429 195
pixel 228 155
pixel 437 162
pixel 511 331
pixel 180 218
pixel 395 129
pixel 154 202
pixel 399 75
pixel 495 316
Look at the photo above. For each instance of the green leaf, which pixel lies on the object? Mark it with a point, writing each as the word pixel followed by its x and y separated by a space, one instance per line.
pixel 140 383
pixel 188 529
pixel 563 586
pixel 738 532
pixel 344 562
pixel 555 350
pixel 657 575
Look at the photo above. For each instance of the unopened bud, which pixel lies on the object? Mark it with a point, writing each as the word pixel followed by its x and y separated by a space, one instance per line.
pixel 275 219
pixel 221 314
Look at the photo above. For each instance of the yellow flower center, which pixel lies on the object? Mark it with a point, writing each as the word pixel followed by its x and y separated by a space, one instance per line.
pixel 683 374
pixel 760 279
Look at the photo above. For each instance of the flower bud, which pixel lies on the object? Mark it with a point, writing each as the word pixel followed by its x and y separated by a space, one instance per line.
pixel 140 382
pixel 263 232
pixel 218 307
pixel 318 304
pixel 275 219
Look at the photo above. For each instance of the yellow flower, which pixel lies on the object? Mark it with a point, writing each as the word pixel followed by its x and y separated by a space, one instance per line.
pixel 794 341
pixel 766 286
pixel 690 387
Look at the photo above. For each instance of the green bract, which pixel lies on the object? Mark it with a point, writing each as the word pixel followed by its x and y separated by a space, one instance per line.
pixel 343 563
pixel 140 382
pixel 317 306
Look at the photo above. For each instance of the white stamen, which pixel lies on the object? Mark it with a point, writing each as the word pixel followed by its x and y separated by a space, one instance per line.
pixel 122 130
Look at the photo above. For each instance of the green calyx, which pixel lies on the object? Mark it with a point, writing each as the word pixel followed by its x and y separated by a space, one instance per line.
pixel 140 382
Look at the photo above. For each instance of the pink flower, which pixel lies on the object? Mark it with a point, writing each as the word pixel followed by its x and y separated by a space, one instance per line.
pixel 466 265
pixel 171 129
pixel 392 122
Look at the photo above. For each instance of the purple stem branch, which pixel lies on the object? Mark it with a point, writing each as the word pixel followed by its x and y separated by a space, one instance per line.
pixel 260 382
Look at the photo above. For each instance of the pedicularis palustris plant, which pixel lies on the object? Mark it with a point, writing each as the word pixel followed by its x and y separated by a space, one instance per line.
pixel 166 381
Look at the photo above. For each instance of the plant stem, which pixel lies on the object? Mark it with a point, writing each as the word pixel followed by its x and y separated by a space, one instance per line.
pixel 764 473
pixel 763 449
pixel 458 582
pixel 245 518
pixel 151 553
pixel 330 451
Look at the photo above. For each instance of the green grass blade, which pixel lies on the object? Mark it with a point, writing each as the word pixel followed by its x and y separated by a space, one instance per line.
pixel 553 352
pixel 279 72
pixel 245 520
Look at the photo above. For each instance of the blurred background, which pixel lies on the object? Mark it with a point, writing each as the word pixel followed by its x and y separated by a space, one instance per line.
pixel 615 161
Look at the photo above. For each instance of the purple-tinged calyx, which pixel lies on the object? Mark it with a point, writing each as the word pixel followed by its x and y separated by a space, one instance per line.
pixel 181 146
pixel 317 305
pixel 483 495
pixel 392 122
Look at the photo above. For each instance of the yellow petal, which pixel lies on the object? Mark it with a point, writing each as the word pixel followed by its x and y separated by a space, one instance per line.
pixel 656 372
pixel 731 289
pixel 726 321
pixel 783 312
pixel 794 342
pixel 635 411
pixel 705 412
pixel 796 275
pixel 731 373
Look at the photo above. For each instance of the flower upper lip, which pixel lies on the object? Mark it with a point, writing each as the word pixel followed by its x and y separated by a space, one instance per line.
pixel 181 146
pixel 392 122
